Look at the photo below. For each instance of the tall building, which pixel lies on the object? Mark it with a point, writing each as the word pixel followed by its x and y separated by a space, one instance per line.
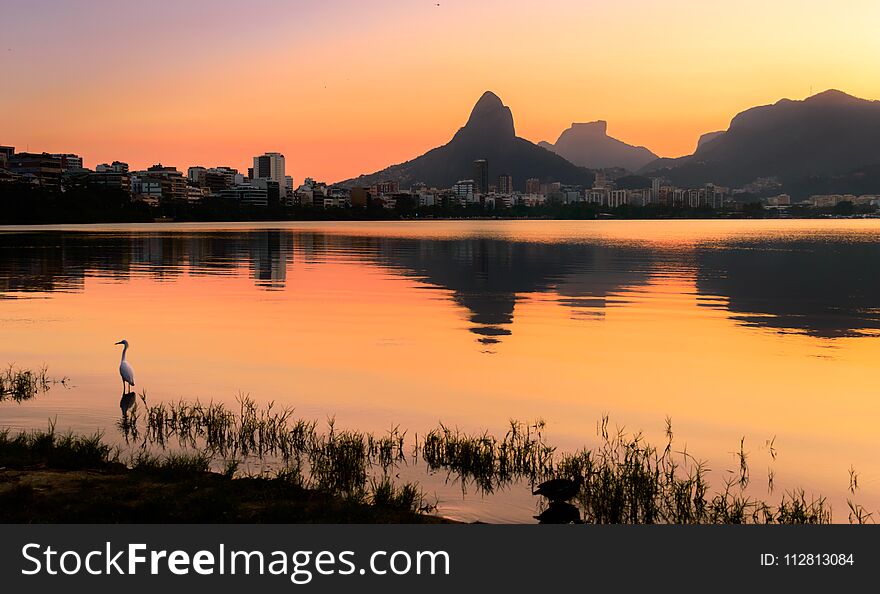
pixel 656 183
pixel 533 185
pixel 481 176
pixel 270 166
pixel 505 184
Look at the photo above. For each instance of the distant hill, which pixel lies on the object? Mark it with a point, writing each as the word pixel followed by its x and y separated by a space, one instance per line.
pixel 632 182
pixel 589 145
pixel 825 135
pixel 488 134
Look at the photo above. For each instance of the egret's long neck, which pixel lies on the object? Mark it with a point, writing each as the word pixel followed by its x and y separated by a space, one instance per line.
pixel 124 348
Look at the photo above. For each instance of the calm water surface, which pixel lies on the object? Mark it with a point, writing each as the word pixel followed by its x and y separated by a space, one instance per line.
pixel 734 329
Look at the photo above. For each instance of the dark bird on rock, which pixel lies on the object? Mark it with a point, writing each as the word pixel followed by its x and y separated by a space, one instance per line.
pixel 559 489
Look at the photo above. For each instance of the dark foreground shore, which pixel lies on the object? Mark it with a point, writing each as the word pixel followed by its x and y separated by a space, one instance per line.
pixel 46 478
pixel 121 495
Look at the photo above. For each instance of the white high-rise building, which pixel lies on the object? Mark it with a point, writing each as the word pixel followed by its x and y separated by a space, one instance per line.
pixel 656 183
pixel 270 166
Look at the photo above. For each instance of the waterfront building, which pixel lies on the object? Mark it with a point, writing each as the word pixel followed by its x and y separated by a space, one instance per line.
pixel 172 182
pixel 110 180
pixel 146 188
pixel 196 175
pixel 505 184
pixel 596 196
pixel 359 196
pixel 384 188
pixel 656 183
pixel 780 200
pixel 639 196
pixel 533 185
pixel 617 198
pixel 464 190
pixel 195 194
pixel 6 153
pixel 115 167
pixel 39 168
pixel 69 161
pixel 247 195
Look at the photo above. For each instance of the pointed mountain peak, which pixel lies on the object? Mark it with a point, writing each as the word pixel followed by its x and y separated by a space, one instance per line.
pixel 491 117
pixel 489 99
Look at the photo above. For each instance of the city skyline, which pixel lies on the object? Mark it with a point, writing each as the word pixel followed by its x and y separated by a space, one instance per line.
pixel 327 86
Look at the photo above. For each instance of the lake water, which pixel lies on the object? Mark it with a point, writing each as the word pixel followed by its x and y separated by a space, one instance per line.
pixel 734 329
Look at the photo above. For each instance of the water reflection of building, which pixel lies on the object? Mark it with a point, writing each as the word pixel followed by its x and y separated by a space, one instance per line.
pixel 269 254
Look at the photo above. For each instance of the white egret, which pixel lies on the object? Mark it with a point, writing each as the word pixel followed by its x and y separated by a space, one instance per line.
pixel 125 370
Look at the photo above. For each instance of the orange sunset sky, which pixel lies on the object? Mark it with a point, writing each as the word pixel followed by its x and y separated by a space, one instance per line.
pixel 345 87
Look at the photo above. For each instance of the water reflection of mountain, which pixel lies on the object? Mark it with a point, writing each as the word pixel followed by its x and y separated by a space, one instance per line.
pixel 488 276
pixel 822 288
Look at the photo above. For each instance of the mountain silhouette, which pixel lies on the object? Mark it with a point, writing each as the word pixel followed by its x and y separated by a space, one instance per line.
pixel 488 134
pixel 589 145
pixel 708 137
pixel 824 135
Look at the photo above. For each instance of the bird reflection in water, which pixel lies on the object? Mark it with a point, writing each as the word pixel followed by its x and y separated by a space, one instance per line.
pixel 127 402
pixel 559 512
pixel 128 423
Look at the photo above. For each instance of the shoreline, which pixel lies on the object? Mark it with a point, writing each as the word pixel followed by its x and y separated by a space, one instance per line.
pixel 270 221
pixel 117 494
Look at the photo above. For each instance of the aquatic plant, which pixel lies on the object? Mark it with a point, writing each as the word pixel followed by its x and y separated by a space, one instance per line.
pixel 337 462
pixel 623 478
pixel 19 385
pixel 66 450
pixel 485 460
